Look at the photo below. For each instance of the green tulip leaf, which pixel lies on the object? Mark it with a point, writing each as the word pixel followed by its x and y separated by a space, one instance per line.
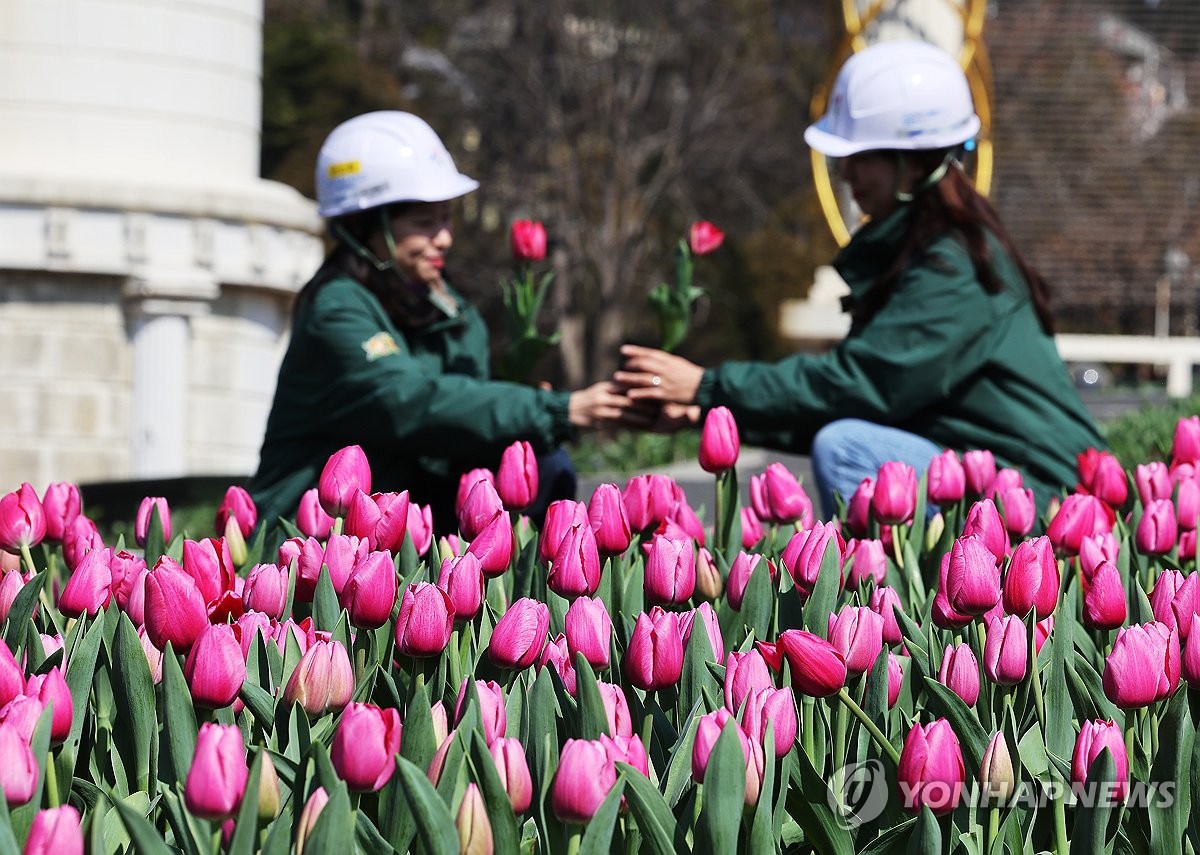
pixel 593 720
pixel 334 828
pixel 435 826
pixel 20 614
pixel 724 793
pixel 179 719
pixel 762 827
pixel 758 603
pixel 134 686
pixel 505 832
pixel 327 611
pixel 809 803
pixel 260 704
pixel 1172 766
pixel 1090 830
pixel 245 829
pixel 146 838
pixel 598 834
pixel 973 738
pixel 926 834
pixel 696 674
pixel 1060 733
pixel 823 600
pixel 662 834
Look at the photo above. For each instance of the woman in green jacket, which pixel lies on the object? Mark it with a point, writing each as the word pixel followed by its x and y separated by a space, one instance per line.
pixel 385 354
pixel 950 344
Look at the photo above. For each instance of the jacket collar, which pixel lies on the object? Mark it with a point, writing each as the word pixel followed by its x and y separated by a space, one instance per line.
pixel 872 249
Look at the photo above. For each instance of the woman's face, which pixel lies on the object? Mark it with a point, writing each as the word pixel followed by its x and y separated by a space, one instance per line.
pixel 422 232
pixel 874 178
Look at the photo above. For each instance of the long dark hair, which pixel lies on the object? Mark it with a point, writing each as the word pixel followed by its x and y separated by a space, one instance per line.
pixel 952 204
pixel 406 305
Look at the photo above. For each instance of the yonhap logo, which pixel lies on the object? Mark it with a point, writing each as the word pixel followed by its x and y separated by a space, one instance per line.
pixel 858 793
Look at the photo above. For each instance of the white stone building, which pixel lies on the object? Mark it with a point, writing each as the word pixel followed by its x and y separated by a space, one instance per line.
pixel 146 271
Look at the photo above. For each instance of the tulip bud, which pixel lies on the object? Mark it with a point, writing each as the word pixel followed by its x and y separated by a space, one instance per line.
pixel 1104 605
pixel 513 770
pixel 943 614
pixel 996 776
pixel 420 527
pixel 209 563
pixel 18 768
pixel 517 476
pixel 719 442
pixel 895 679
pixel 895 496
pixel 1185 447
pixel 344 474
pixel 745 673
pixel 972 578
pixel 616 709
pixel 61 503
pixel 217 779
pixel 743 567
pixel 556 655
pixel 142 523
pixel 858 511
pixel 481 506
pixel 708 732
pixel 215 667
pixel 89 588
pixel 323 680
pixel 1143 666
pixel 1107 480
pixel 1032 579
pixel 154 656
pixel 585 776
pixel 22 519
pixel 55 831
pixel 474 828
pixel 308 817
pixel 494 546
pixel 561 517
pixel 931 771
pixel 237 505
pixel 175 609
pixel 777 706
pixel 654 657
pixel 80 537
pixel 752 531
pixel 979 470
pixel 589 631
pixel 425 622
pixel 311 518
pixel 818 667
pixel 983 521
pixel 708 619
pixel 960 673
pixel 704 237
pixel 865 560
pixel 648 499
pixel 1190 662
pixel 857 632
pixel 1157 528
pixel 670 571
pixel 520 634
pixel 492 713
pixel 575 568
pixel 1094 737
pixel 1020 510
pixel 946 481
pixel 885 602
pixel 1006 652
pixel 370 592
pixel 805 553
pixel 607 517
pixel 1080 516
pixel 527 239
pixel 462 579
pixel 365 746
pixel 266 589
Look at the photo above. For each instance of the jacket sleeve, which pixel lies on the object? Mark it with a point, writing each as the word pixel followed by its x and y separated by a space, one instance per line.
pixel 399 396
pixel 938 328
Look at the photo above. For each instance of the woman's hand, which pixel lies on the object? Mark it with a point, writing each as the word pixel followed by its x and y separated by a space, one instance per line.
pixel 655 375
pixel 600 402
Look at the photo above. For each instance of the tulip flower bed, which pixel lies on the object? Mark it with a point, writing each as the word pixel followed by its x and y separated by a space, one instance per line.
pixel 625 679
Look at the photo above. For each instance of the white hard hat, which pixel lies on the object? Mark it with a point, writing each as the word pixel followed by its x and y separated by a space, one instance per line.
pixel 384 157
pixel 896 95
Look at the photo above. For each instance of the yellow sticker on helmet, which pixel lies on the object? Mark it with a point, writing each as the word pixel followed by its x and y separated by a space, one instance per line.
pixel 346 167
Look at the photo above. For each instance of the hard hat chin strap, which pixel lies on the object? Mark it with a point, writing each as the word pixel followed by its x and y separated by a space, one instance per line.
pixel 363 252
pixel 933 178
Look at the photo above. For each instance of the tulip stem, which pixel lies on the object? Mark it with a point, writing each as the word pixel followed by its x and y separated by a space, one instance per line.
pixel 574 839
pixel 648 719
pixel 27 557
pixel 809 735
pixel 719 513
pixel 876 734
pixel 52 781
pixel 1061 841
pixel 993 829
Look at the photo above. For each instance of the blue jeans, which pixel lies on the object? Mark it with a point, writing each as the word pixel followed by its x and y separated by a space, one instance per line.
pixel 848 450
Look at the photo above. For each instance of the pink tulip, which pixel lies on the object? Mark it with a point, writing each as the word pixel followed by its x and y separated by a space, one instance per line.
pixel 1143 667
pixel 1157 528
pixel 575 568
pixel 527 239
pixel 18 768
pixel 885 602
pixel 743 567
pixel 959 673
pixel 517 476
pixel 1185 448
pixel 684 517
pixel 745 673
pixel 1190 662
pixel 61 503
pixel 561 517
pixel 818 667
pixel 972 578
pixel 217 779
pixel 175 610
pixel 1094 737
pixel 777 497
pixel 208 562
pixel 946 481
pixel 857 632
pixel 492 713
pixel 420 527
pixel 311 518
pixel 323 681
pixel 648 499
pixel 1093 550
pixel 472 823
pixel 858 511
pixel 654 657
pixel 425 622
pixel 670 571
pixel 1153 481
pixel 1080 516
pixel 462 579
pixel 154 656
pixel 308 817
pixel 51 688
pixel 866 559
pixel 55 831
pixel 1032 579
pixel 895 496
pixel 1175 599
pixel 342 553
pixel 1006 652
pixel 370 592
pixel 752 531
pixel 520 634
pixel 215 668
pixel 707 618
pixel 979 470
pixel 344 474
pixel 943 614
pixel 719 442
pixel 931 772
pixel 12 677
pixel 984 521
pixel 607 517
pixel 708 732
pixel 80 537
pixel 1104 603
pixel 589 631
pixel 704 237
pixel 22 519
pixel 1187 504
pixel 805 552
pixel 145 510
pixel 237 505
pixel 494 546
pixel 481 506
pixel 774 706
pixel 616 709
pixel 365 746
pixel 1107 480
pixel 557 656
pixel 89 588
pixel 1020 510
pixel 895 679
pixel 513 770
pixel 584 777
pixel 266 589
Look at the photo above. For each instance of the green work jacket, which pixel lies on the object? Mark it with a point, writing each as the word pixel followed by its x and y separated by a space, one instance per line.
pixel 943 359
pixel 419 403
